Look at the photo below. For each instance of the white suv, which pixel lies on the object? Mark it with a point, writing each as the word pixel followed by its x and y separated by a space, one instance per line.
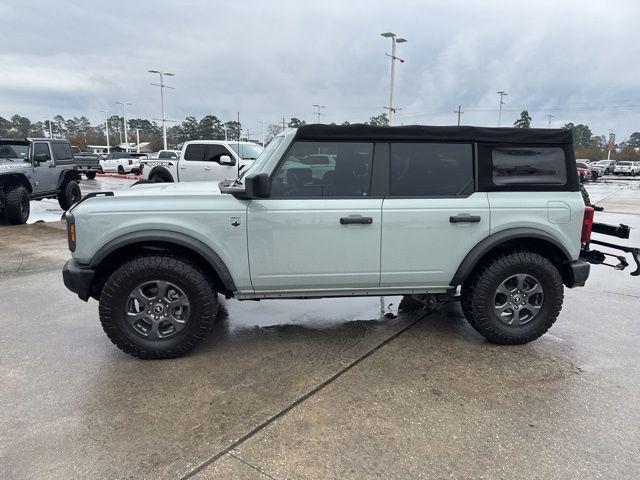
pixel 627 168
pixel 341 211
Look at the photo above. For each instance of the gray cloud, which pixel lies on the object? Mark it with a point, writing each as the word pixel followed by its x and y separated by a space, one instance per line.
pixel 269 59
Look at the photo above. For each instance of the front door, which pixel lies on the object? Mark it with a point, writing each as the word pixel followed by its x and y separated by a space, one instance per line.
pixel 201 162
pixel 320 229
pixel 45 175
pixel 432 217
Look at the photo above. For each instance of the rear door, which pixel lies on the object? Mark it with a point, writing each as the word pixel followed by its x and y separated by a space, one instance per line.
pixel 433 216
pixel 321 227
pixel 201 162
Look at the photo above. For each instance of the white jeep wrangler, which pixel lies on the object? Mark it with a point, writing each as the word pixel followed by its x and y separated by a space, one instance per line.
pixel 335 211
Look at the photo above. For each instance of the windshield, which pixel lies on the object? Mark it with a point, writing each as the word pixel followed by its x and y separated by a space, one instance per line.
pixel 263 157
pixel 603 162
pixel 12 150
pixel 624 164
pixel 247 151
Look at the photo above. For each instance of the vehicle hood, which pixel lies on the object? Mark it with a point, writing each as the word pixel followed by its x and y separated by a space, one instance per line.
pixel 9 164
pixel 162 189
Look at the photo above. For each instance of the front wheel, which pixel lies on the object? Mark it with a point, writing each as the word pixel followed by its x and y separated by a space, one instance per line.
pixel 17 205
pixel 69 194
pixel 157 306
pixel 90 175
pixel 121 170
pixel 513 298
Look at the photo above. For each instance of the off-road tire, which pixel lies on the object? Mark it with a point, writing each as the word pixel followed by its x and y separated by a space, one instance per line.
pixel 479 293
pixel 16 205
pixel 90 175
pixel 184 274
pixel 585 196
pixel 69 194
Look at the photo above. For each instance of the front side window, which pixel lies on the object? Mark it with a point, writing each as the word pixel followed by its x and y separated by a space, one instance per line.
pixel 529 166
pixel 431 170
pixel 41 152
pixel 61 151
pixel 325 169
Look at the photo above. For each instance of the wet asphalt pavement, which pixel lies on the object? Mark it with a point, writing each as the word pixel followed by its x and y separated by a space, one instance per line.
pixel 333 388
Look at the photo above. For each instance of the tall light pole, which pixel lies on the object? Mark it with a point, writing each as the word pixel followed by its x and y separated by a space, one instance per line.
pixel 549 117
pixel 124 121
pixel 318 107
pixel 50 129
pixel 162 87
pixel 502 94
pixel 394 40
pixel 137 140
pixel 106 128
pixel 459 111
pixel 262 133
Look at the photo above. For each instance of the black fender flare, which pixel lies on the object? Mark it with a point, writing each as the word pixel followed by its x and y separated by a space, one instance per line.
pixel 487 244
pixel 169 236
pixel 67 175
pixel 18 179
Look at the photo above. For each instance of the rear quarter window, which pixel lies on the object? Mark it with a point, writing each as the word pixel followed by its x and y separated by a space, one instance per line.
pixel 528 166
pixel 61 151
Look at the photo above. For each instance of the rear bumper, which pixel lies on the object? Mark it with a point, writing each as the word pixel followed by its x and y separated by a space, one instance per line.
pixel 78 278
pixel 578 273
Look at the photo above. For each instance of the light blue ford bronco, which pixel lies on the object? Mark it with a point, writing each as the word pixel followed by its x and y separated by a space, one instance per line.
pixel 340 211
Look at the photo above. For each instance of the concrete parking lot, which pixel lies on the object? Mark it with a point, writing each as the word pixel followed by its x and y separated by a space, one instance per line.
pixel 335 388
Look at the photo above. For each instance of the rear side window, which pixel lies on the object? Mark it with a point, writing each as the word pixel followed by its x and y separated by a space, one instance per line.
pixel 325 169
pixel 431 170
pixel 61 151
pixel 528 166
pixel 202 152
pixel 195 152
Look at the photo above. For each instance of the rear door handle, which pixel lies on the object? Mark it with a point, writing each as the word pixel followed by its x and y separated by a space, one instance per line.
pixel 464 218
pixel 358 219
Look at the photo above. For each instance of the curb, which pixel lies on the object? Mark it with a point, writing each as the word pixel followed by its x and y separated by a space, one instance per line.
pixel 117 175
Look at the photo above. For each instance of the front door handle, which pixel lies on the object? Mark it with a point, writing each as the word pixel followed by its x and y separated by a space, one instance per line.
pixel 183 167
pixel 207 169
pixel 464 218
pixel 357 219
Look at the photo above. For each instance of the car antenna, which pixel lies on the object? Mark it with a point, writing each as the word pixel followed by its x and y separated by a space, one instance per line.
pixel 239 155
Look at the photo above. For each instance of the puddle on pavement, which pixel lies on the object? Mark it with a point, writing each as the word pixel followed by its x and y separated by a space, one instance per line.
pixel 310 313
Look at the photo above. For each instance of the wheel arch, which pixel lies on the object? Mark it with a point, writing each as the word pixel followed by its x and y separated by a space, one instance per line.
pixel 16 179
pixel 67 176
pixel 110 256
pixel 162 171
pixel 510 240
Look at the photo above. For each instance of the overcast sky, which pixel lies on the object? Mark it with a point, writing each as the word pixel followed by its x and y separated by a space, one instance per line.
pixel 576 60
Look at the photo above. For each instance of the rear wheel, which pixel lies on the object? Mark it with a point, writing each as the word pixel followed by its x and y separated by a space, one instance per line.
pixel 121 170
pixel 69 194
pixel 90 175
pixel 157 306
pixel 17 205
pixel 513 298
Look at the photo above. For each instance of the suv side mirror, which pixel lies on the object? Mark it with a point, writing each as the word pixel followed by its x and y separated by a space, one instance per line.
pixel 226 160
pixel 257 185
pixel 40 157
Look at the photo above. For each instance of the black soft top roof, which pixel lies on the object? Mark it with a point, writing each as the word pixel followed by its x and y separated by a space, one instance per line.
pixel 529 136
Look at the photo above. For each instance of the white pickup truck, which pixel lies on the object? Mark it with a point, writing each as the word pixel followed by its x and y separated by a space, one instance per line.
pixel 202 160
